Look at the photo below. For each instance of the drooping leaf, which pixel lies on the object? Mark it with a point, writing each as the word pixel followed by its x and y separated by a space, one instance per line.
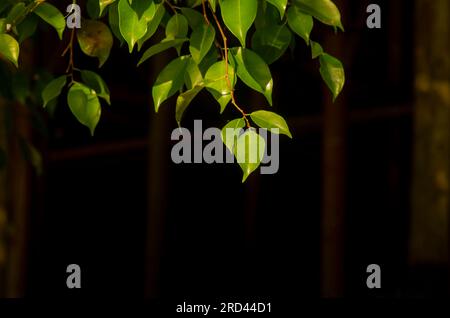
pixel 52 16
pixel 53 89
pixel 332 72
pixel 95 39
pixel 231 131
pixel 193 76
pixel 177 28
pixel 95 82
pixel 217 83
pixel 131 27
pixel 270 121
pixel 239 16
pixel 301 23
pixel 113 20
pixel 184 100
pixel 85 106
pixel 249 151
pixel 254 72
pixel 152 26
pixel 280 5
pixel 271 42
pixel 316 49
pixel 169 81
pixel 201 41
pixel 9 48
pixel 323 10
pixel 160 47
pixel 27 27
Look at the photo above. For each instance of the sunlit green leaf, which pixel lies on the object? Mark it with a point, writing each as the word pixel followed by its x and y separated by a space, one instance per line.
pixel 280 5
pixel 52 16
pixel 131 27
pixel 184 100
pixel 231 131
pixel 53 89
pixel 169 81
pixel 323 10
pixel 94 81
pixel 270 121
pixel 160 47
pixel 217 83
pixel 9 48
pixel 301 23
pixel 202 39
pixel 239 16
pixel 249 151
pixel 254 72
pixel 85 106
pixel 332 73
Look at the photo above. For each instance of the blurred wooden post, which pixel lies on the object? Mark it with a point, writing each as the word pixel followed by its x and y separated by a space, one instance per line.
pixel 333 192
pixel 159 136
pixel 430 208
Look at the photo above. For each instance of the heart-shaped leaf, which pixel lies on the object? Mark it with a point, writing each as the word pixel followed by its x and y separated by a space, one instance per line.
pixel 85 106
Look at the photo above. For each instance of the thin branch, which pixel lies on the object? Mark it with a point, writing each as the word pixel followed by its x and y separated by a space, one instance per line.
pixel 227 74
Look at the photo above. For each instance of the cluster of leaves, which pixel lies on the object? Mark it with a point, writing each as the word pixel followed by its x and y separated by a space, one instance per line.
pixel 218 43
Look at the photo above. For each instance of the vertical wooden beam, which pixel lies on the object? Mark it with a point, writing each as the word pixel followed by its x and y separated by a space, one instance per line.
pixel 157 183
pixel 430 191
pixel 333 191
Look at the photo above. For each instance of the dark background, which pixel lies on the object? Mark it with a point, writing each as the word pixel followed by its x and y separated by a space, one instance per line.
pixel 139 225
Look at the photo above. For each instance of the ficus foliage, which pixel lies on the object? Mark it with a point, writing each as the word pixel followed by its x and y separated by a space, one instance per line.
pixel 218 43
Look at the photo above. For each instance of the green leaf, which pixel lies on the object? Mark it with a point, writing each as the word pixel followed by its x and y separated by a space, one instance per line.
pixel 194 18
pixel 95 82
pixel 27 27
pixel 239 16
pixel 271 42
pixel 323 10
pixel 52 16
pixel 95 39
pixel 103 4
pixel 113 20
pixel 85 106
pixel 169 81
pixel 254 72
pixel 333 74
pixel 249 151
pixel 231 131
pixel 217 84
pixel 193 76
pixel 53 89
pixel 184 100
pixel 280 5
pixel 16 13
pixel 160 47
pixel 9 48
pixel 131 27
pixel 152 26
pixel 316 49
pixel 300 23
pixel 202 39
pixel 269 121
pixel 177 27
